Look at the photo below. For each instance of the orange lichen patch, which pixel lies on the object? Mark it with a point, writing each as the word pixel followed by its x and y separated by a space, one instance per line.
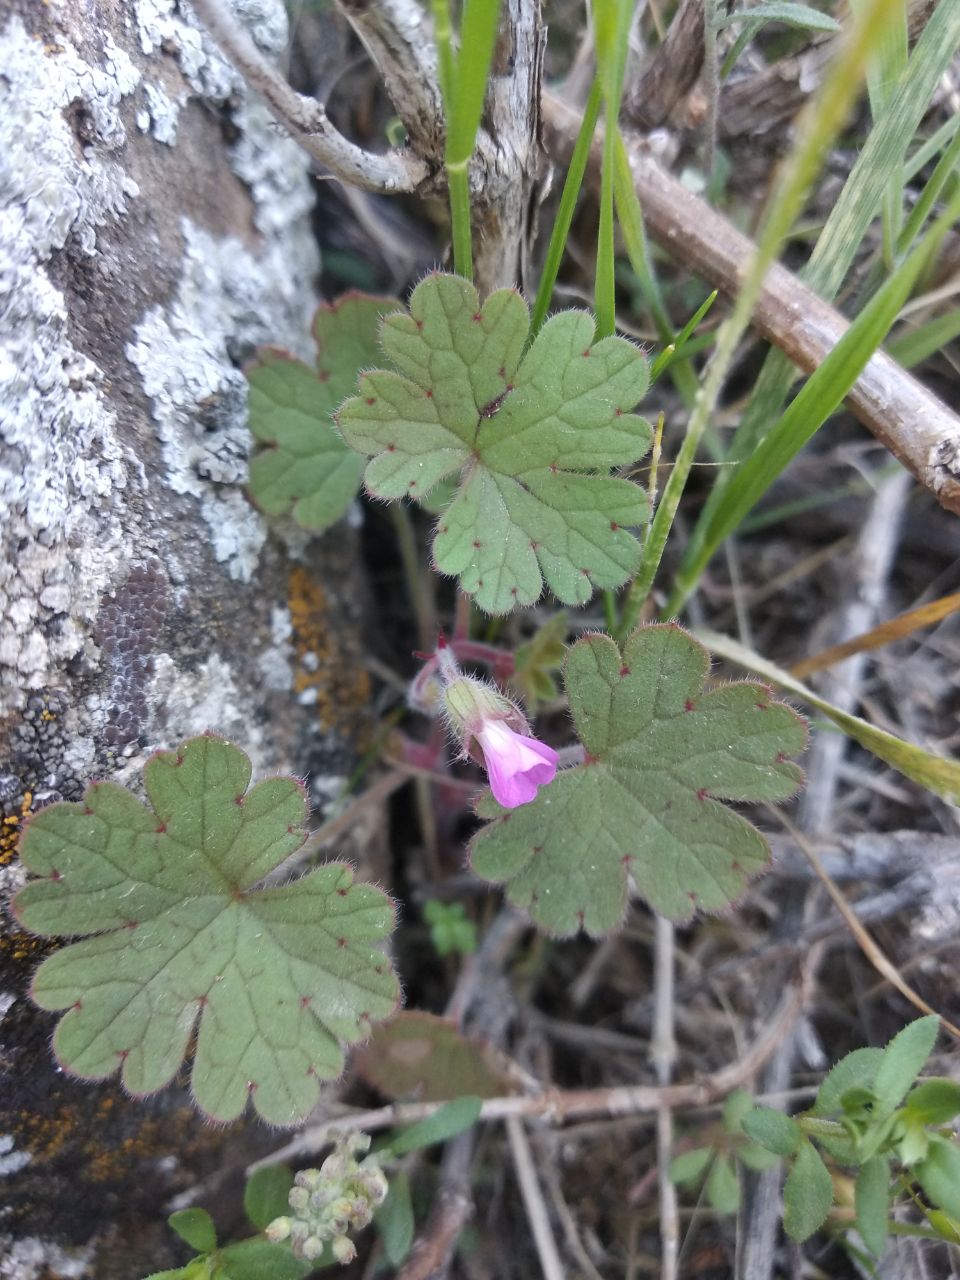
pixel 106 1142
pixel 19 946
pixel 325 662
pixel 10 826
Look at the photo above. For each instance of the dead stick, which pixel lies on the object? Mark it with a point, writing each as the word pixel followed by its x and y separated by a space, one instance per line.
pixel 557 1105
pixel 395 173
pixel 917 428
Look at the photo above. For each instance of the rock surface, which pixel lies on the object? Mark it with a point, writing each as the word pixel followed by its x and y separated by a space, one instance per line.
pixel 154 228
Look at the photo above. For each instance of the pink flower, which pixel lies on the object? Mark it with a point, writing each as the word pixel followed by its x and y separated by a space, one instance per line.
pixel 516 764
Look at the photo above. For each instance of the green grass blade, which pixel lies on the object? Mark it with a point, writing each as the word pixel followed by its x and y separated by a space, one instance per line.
pixel 478 35
pixel 682 343
pixel 568 203
pixel 937 142
pixel 859 201
pixel 604 291
pixel 463 84
pixel 820 396
pixel 443 35
pixel 793 15
pixel 883 73
pixel 915 345
pixel 752 20
pixel 611 24
pixel 885 149
pixel 819 125
pixel 942 174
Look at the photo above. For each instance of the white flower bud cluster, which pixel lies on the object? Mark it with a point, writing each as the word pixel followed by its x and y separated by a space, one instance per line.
pixel 328 1202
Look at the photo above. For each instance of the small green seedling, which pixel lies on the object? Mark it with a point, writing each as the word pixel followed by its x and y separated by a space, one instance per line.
pixel 450 931
pixel 871 1115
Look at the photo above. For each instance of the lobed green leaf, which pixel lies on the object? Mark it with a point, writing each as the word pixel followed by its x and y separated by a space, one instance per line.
pixel 302 467
pixel 175 936
pixel 531 439
pixel 661 753
pixel 936 773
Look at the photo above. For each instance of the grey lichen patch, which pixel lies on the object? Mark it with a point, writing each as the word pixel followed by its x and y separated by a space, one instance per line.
pixel 187 354
pixel 73 486
pixel 229 298
pixel 276 660
pixel 168 25
pixel 34 1259
pixel 62 467
pixel 189 703
pixel 159 115
pixel 11 1161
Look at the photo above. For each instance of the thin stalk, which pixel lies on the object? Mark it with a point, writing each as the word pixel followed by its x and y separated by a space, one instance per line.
pixel 419 592
pixel 459 187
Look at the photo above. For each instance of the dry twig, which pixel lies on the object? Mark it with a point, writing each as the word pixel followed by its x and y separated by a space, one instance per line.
pixel 533 1201
pixel 394 173
pixel 556 1105
pixel 867 945
pixel 907 418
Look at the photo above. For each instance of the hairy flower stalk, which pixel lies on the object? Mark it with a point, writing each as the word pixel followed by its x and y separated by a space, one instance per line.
pixel 494 732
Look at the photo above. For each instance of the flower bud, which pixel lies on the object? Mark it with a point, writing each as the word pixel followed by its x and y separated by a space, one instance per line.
pixel 277 1230
pixel 311 1248
pixel 469 703
pixel 298 1199
pixel 344 1250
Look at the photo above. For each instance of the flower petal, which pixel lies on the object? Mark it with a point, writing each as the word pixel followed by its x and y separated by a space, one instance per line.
pixel 516 764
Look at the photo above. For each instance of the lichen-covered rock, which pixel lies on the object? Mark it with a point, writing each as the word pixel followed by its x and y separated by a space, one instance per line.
pixel 154 228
